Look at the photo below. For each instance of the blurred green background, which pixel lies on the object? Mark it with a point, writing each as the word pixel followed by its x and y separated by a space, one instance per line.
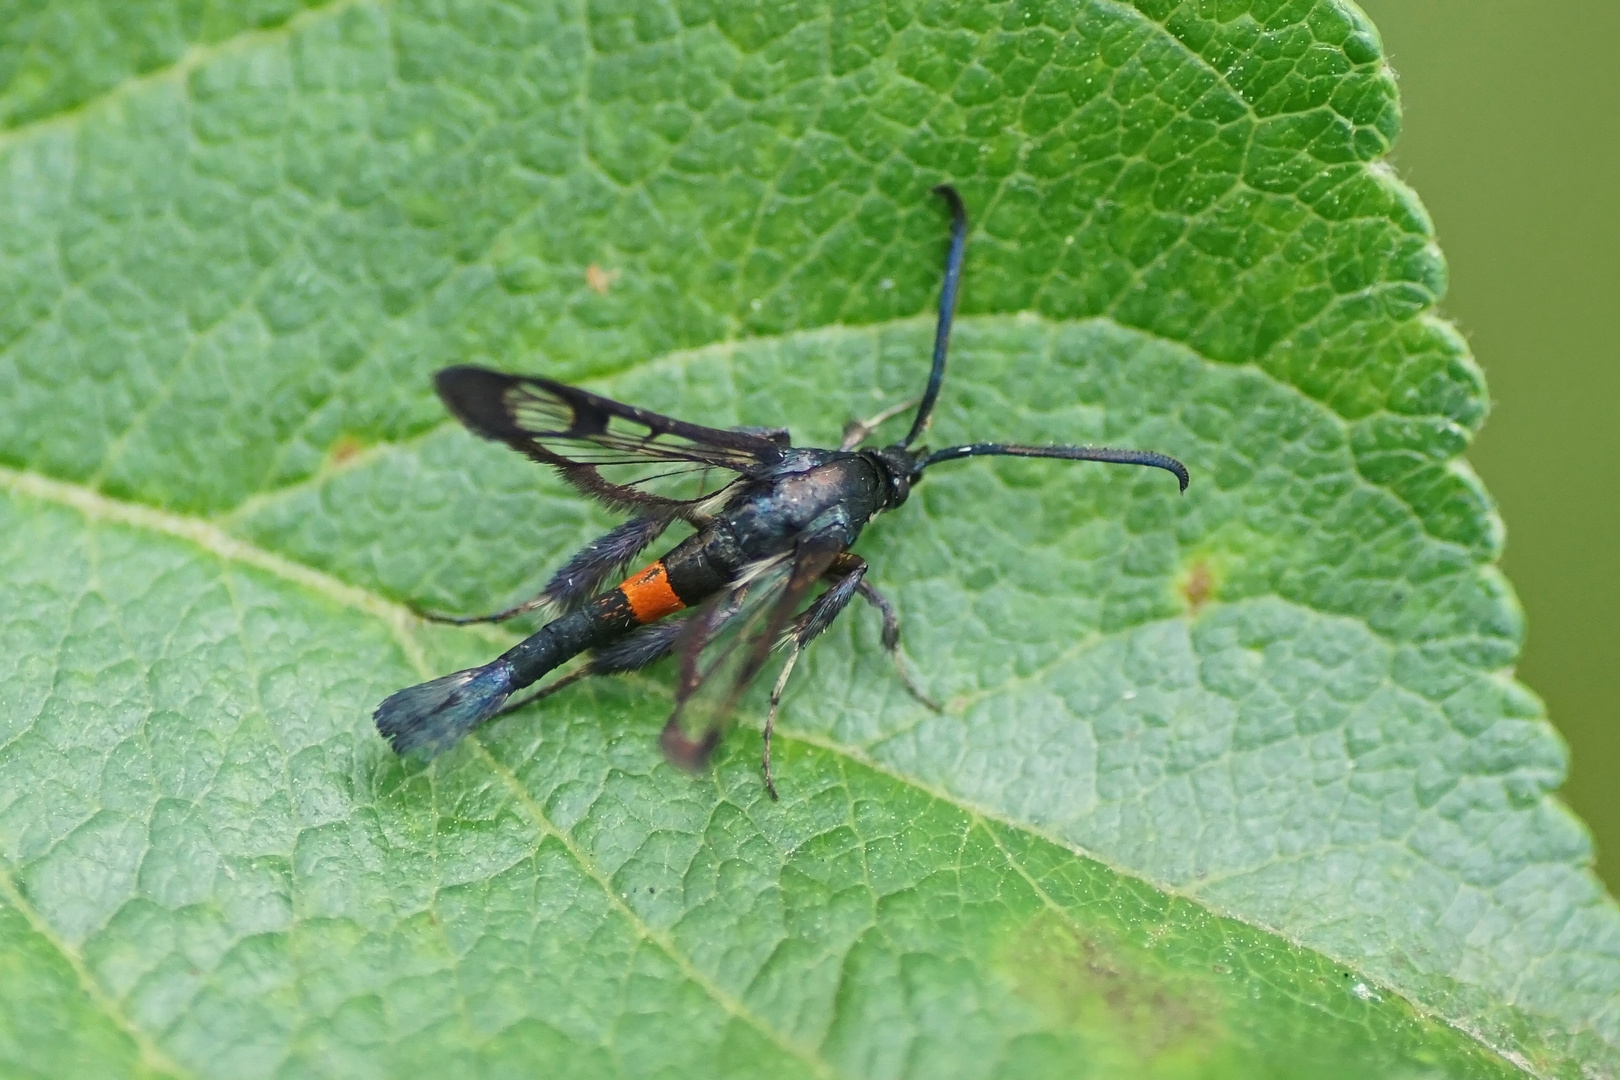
pixel 1512 138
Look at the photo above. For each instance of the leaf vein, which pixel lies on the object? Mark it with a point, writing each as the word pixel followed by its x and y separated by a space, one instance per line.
pixel 151 1055
pixel 192 59
pixel 726 1001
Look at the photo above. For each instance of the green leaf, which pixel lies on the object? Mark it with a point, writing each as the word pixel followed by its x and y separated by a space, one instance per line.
pixel 1235 783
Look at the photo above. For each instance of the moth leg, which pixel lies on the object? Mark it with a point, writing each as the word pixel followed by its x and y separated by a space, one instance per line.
pixel 845 573
pixel 827 607
pixel 770 717
pixel 608 556
pixel 856 431
pixel 891 621
pixel 581 577
pixel 806 627
pixel 891 642
pixel 544 692
pixel 639 648
pixel 499 616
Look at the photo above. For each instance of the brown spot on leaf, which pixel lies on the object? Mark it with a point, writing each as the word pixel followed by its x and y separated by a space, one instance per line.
pixel 600 280
pixel 345 450
pixel 1080 981
pixel 1198 587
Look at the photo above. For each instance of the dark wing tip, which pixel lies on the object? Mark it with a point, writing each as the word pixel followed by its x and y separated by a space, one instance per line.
pixel 476 397
pixel 690 754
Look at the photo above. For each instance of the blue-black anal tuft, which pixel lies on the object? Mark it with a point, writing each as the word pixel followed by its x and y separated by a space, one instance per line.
pixel 434 716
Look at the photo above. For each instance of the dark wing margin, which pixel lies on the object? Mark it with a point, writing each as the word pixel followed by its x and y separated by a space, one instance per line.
pixel 582 434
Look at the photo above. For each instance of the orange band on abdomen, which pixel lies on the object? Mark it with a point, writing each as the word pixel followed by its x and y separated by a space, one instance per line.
pixel 650 595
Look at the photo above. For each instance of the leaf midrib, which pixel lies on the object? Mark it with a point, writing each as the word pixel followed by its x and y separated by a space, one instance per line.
pixel 401 622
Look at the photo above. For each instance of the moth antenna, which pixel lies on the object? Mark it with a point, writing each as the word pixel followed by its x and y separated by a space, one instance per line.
pixel 1067 453
pixel 947 309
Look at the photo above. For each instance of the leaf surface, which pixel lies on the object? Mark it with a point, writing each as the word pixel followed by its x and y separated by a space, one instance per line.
pixel 1235 783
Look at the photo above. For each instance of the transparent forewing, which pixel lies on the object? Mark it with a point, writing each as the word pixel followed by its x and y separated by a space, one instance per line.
pixel 727 644
pixel 617 452
pixel 714 652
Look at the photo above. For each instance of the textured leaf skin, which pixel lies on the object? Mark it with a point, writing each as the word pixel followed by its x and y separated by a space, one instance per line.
pixel 1232 784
